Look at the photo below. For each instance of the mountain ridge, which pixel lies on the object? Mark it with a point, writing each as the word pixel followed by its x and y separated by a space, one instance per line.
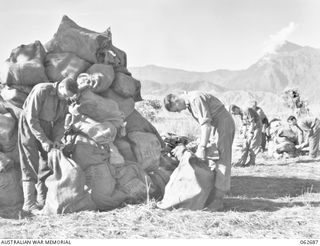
pixel 290 65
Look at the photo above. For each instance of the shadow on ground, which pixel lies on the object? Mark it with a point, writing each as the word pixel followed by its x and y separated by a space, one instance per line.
pixel 285 162
pixel 251 205
pixel 256 192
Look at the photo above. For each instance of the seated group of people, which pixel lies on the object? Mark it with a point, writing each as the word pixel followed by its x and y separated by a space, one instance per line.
pixel 290 140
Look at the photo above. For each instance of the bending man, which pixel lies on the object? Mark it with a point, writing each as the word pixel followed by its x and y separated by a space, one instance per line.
pixel 41 127
pixel 209 112
pixel 252 134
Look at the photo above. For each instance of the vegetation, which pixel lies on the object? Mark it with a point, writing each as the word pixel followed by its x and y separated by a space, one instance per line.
pixel 273 199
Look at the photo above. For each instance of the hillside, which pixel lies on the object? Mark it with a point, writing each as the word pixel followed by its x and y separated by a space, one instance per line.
pixel 291 65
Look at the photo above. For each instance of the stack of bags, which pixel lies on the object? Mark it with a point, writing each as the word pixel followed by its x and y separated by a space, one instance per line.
pixel 19 73
pixel 117 148
pixel 10 190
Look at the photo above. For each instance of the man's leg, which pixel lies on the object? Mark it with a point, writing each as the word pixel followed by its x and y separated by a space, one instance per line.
pixel 29 161
pixel 226 131
pixel 243 160
pixel 255 146
pixel 263 141
pixel 44 171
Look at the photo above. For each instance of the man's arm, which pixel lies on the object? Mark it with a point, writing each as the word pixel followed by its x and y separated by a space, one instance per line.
pixel 32 110
pixel 59 127
pixel 205 134
pixel 201 111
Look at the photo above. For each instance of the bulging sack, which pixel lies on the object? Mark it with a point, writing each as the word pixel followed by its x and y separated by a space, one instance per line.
pixel 103 187
pixel 125 150
pixel 146 148
pixel 98 108
pixel 126 105
pixel 132 179
pixel 23 53
pixel 78 40
pixel 189 186
pixel 87 152
pixel 115 157
pixel 101 132
pixel 113 185
pixel 15 96
pixel 66 193
pixel 10 189
pixel 135 122
pixel 127 86
pixel 160 177
pixel 61 65
pixel 100 77
pixel 25 66
pixel 23 73
pixel 8 132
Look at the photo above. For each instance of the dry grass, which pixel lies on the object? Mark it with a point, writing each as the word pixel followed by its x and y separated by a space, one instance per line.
pixel 270 200
pixel 274 199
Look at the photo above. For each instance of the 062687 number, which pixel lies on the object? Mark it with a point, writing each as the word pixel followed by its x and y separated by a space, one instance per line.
pixel 309 242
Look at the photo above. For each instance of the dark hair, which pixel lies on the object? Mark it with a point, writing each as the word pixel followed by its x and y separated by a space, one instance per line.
pixel 71 85
pixel 168 101
pixel 233 107
pixel 291 118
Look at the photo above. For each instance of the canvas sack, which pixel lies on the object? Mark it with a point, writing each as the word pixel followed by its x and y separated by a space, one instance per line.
pixel 189 186
pixel 83 42
pixel 98 108
pixel 146 148
pixel 66 186
pixel 127 86
pixel 61 65
pixel 126 105
pixel 101 77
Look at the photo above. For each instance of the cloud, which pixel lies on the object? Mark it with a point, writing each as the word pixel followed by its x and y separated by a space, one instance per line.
pixel 278 39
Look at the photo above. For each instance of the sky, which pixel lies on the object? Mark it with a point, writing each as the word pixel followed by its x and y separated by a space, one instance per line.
pixel 195 35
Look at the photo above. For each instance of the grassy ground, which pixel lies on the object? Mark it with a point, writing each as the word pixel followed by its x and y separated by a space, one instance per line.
pixel 274 199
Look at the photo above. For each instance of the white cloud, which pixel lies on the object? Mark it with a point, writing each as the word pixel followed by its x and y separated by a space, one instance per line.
pixel 278 39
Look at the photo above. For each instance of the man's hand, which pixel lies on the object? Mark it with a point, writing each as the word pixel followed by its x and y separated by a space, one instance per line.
pixel 47 146
pixel 201 152
pixel 178 151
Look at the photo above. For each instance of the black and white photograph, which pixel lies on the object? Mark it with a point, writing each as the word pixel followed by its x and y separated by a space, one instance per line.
pixel 159 119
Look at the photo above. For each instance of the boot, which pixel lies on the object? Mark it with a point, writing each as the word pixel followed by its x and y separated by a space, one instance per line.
pixel 217 203
pixel 29 195
pixel 41 194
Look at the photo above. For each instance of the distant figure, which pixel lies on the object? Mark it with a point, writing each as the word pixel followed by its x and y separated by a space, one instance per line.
pixel 209 112
pixel 293 124
pixel 265 124
pixel 252 134
pixel 41 127
pixel 311 127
